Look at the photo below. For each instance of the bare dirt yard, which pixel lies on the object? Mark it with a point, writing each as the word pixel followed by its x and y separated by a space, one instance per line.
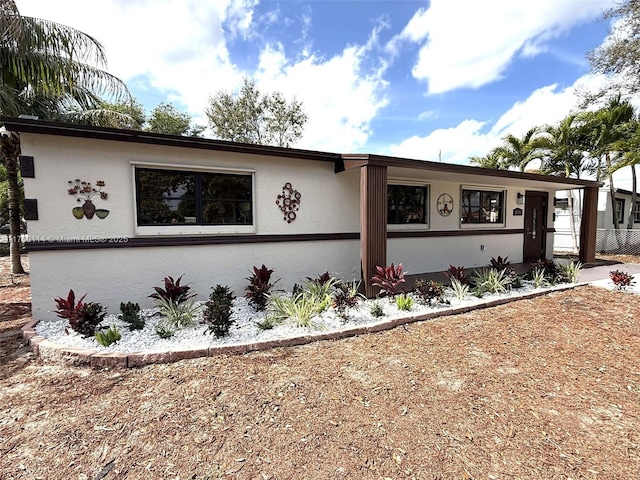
pixel 541 388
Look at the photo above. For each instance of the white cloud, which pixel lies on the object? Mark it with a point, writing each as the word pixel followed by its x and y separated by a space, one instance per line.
pixel 181 48
pixel 340 101
pixel 470 44
pixel 472 137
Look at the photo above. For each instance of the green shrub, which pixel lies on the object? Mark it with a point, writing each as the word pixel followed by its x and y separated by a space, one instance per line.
pixel 538 278
pixel 109 336
pixel 299 308
pixel 164 329
pixel 131 315
pixel 377 310
pixel 404 302
pixel 217 313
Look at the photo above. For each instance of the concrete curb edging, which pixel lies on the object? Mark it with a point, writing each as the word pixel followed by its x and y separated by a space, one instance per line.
pixel 53 352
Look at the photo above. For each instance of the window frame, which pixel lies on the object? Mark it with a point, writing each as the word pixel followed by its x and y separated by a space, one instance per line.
pixel 191 229
pixel 636 212
pixel 486 189
pixel 427 205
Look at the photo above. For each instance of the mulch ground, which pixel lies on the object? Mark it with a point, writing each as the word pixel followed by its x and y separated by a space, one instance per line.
pixel 541 388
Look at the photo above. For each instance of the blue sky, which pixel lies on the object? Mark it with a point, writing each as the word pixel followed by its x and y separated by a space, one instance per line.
pixel 411 78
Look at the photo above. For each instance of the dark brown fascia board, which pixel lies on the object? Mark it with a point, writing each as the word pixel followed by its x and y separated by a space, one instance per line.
pixel 137 136
pixel 352 161
pixel 625 192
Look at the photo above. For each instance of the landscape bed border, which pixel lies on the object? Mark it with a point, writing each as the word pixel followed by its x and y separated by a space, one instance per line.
pixel 48 350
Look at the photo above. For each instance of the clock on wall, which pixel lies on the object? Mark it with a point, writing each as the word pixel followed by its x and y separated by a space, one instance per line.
pixel 444 205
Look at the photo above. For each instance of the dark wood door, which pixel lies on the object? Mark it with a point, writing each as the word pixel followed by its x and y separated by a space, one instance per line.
pixel 535 226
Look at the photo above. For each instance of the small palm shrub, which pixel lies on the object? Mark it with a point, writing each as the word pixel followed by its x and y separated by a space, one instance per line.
pixel 109 336
pixel 217 313
pixel 621 280
pixel 457 273
pixel 376 310
pixel 404 302
pixel 538 278
pixel 429 291
pixel 570 272
pixel 83 317
pixel 388 279
pixel 259 287
pixel 130 314
pixel 300 308
pixel 345 296
pixel 179 314
pixel 460 290
pixel 490 280
pixel 172 292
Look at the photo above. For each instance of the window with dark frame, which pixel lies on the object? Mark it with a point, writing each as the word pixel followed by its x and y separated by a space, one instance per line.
pixel 175 197
pixel 619 210
pixel 406 204
pixel 482 206
pixel 636 213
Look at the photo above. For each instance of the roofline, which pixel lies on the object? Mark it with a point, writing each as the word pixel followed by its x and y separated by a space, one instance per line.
pixel 357 160
pixel 137 136
pixel 625 192
pixel 342 162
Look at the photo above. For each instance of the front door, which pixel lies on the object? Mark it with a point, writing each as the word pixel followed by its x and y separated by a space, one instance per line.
pixel 535 226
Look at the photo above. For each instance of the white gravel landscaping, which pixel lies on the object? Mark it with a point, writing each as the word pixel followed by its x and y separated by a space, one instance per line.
pixel 245 329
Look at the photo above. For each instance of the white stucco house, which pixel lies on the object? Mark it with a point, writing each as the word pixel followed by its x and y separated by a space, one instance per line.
pixel 154 205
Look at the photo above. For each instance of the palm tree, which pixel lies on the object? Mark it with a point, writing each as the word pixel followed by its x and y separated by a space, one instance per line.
pixel 608 126
pixel 629 147
pixel 519 152
pixel 564 156
pixel 51 71
pixel 490 160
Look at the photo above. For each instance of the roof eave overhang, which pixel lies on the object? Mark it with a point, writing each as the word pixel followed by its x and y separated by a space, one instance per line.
pixel 354 161
pixel 41 127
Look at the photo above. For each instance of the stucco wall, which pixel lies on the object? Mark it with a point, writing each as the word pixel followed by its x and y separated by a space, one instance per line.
pixel 111 276
pixel 329 203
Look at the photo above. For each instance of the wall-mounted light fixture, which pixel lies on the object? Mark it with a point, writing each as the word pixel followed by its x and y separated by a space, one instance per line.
pixel 520 199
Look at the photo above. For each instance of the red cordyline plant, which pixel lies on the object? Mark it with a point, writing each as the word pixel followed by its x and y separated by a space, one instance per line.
pixel 259 287
pixel 172 292
pixel 83 317
pixel 458 274
pixel 388 279
pixel 621 279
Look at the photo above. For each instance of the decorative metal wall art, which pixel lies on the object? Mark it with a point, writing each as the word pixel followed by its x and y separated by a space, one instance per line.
pixel 85 191
pixel 289 202
pixel 444 204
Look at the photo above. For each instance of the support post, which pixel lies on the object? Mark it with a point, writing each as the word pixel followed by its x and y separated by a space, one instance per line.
pixel 588 226
pixel 373 223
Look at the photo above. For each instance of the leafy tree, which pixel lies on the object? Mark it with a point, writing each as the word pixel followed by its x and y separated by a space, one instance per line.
pixel 619 57
pixel 248 116
pixel 165 118
pixel 129 115
pixel 51 71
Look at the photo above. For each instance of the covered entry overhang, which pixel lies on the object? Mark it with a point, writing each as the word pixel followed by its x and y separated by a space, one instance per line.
pixel 377 171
